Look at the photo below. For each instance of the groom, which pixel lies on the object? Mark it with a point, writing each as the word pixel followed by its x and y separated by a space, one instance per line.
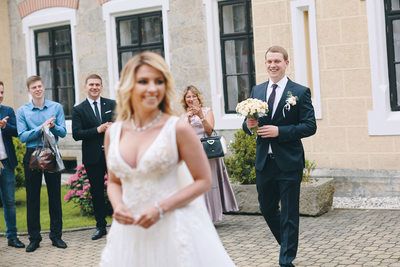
pixel 280 156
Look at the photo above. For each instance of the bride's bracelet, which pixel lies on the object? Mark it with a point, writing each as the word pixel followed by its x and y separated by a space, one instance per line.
pixel 160 211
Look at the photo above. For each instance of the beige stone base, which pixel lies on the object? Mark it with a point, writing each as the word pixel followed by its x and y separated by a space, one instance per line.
pixel 315 198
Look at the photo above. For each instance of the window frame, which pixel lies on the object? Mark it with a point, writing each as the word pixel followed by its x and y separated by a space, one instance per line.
pixel 246 35
pixel 391 16
pixel 53 57
pixel 46 18
pixel 139 47
pixel 113 9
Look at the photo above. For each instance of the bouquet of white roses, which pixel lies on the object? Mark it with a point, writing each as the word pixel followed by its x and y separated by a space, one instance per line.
pixel 252 108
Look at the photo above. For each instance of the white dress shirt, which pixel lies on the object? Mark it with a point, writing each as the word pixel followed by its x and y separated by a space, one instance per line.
pixel 278 95
pixel 92 105
pixel 3 153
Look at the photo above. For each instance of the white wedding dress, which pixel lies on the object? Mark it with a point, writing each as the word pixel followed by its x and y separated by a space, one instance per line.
pixel 184 237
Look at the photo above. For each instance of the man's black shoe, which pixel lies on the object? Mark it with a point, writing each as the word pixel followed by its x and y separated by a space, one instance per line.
pixel 15 242
pixel 33 245
pixel 99 233
pixel 58 243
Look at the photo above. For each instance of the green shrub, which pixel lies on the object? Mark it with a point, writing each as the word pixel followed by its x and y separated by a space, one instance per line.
pixel 241 164
pixel 310 166
pixel 20 150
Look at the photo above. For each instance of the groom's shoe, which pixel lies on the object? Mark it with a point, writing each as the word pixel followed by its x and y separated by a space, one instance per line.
pixel 99 233
pixel 58 242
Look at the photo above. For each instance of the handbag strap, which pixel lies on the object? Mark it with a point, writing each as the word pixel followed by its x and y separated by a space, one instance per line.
pixel 40 138
pixel 213 133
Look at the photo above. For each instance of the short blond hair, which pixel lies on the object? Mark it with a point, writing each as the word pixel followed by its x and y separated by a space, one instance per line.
pixel 32 79
pixel 128 79
pixel 196 92
pixel 278 49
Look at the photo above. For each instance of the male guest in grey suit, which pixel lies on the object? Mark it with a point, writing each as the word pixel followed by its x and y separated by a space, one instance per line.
pixel 90 120
pixel 8 159
pixel 279 155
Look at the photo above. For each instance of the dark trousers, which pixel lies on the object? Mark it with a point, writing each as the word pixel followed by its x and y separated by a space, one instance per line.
pixel 274 185
pixel 33 185
pixel 96 174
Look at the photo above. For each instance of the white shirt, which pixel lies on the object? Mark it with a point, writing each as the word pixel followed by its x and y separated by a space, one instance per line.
pixel 3 153
pixel 92 105
pixel 278 95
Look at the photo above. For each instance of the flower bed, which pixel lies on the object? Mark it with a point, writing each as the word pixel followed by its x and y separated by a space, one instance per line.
pixel 79 192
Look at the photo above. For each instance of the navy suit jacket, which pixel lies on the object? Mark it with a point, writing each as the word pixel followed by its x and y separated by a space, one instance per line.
pixel 84 127
pixel 297 123
pixel 8 132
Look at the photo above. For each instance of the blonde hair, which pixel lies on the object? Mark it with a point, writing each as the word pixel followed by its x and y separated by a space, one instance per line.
pixel 196 92
pixel 128 79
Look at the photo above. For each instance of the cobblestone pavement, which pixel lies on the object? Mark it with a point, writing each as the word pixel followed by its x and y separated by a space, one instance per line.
pixel 338 238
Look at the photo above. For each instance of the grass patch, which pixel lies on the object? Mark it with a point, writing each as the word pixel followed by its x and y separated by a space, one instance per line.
pixel 71 214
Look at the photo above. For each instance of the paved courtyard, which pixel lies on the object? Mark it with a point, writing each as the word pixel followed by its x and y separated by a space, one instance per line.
pixel 338 238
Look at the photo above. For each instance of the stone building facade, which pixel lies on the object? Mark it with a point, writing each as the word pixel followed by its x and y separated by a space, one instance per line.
pixel 337 48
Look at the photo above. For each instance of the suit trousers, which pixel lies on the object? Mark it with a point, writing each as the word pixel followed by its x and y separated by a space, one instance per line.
pixel 96 174
pixel 33 185
pixel 274 185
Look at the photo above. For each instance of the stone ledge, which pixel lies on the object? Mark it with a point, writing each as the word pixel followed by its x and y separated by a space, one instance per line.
pixel 363 183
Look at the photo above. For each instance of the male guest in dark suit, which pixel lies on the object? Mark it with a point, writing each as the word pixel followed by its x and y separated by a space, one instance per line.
pixel 8 129
pixel 90 119
pixel 279 155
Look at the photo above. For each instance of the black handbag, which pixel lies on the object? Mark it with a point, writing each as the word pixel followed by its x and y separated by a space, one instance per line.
pixel 214 145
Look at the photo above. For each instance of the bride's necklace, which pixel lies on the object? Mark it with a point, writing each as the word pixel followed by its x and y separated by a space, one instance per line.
pixel 147 126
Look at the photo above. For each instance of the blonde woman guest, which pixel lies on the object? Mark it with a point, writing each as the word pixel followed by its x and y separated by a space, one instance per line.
pixel 220 198
pixel 156 221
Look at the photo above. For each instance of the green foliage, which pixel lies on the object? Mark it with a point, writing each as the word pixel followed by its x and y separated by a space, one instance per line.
pixel 309 167
pixel 72 217
pixel 20 150
pixel 241 164
pixel 79 192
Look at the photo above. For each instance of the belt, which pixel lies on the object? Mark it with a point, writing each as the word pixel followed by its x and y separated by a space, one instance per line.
pixel 271 156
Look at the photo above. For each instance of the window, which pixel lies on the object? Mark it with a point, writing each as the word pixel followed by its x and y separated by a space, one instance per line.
pixel 237 53
pixel 392 18
pixel 138 33
pixel 54 64
pixel 305 49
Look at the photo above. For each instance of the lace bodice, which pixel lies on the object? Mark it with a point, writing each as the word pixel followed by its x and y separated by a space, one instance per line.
pixel 154 178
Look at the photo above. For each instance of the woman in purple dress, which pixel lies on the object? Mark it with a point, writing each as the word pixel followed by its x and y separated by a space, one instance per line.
pixel 220 197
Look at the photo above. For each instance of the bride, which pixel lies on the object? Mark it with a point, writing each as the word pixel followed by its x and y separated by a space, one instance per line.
pixel 159 216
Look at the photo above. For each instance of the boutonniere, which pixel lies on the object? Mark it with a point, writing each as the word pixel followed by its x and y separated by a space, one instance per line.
pixel 291 100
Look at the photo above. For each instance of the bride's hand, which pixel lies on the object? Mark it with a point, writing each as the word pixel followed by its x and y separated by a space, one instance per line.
pixel 123 215
pixel 149 217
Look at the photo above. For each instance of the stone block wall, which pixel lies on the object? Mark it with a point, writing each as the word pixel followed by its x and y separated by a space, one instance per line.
pixel 5 56
pixel 342 139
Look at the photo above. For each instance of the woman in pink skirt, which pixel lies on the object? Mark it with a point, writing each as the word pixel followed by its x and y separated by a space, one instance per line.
pixel 220 197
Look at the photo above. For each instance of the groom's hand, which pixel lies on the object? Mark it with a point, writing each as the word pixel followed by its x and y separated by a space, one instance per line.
pixel 268 131
pixel 251 123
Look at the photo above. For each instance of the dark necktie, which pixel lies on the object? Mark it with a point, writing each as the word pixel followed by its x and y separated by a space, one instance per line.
pixel 271 99
pixel 96 111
